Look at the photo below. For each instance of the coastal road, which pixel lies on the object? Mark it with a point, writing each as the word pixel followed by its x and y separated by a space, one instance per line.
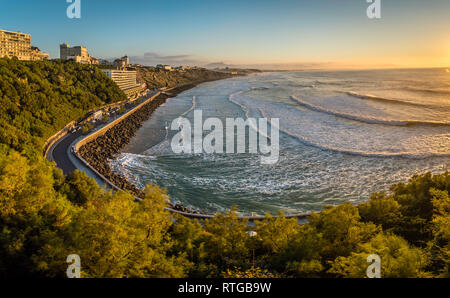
pixel 60 152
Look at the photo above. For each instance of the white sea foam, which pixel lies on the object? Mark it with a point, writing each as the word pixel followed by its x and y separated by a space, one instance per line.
pixel 247 113
pixel 370 120
pixel 383 99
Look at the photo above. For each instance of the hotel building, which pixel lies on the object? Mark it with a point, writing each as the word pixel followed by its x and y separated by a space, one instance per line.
pixel 78 54
pixel 126 80
pixel 17 44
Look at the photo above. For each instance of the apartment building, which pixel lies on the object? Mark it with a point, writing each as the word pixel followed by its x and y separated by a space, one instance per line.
pixel 18 44
pixel 15 44
pixel 78 54
pixel 126 80
pixel 122 63
pixel 37 55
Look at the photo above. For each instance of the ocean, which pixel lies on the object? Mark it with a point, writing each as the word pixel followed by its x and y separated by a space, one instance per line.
pixel 343 135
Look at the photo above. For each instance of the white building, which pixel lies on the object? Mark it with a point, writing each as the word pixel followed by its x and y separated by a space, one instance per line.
pixel 164 66
pixel 126 80
pixel 78 54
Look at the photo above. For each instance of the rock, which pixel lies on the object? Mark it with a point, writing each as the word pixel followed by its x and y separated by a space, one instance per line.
pixel 99 151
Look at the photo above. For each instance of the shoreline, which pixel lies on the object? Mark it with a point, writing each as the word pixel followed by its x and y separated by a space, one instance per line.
pixel 99 151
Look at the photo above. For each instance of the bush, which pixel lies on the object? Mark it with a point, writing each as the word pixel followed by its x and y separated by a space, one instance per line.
pixel 87 128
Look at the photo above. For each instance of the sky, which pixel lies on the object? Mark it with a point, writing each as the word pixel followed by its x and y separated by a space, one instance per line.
pixel 281 34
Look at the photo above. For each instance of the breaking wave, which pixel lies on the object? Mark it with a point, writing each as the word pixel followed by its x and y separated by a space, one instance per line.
pixel 369 120
pixel 390 100
pixel 309 142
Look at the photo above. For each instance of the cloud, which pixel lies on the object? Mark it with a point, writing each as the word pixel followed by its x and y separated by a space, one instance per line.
pixel 218 65
pixel 151 58
pixel 151 55
pixel 273 66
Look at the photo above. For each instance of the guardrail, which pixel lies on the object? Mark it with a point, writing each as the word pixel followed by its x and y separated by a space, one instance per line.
pixel 103 130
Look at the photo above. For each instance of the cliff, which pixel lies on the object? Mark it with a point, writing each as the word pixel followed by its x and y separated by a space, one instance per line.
pixel 158 78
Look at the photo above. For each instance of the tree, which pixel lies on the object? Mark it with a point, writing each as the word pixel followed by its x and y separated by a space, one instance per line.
pixel 31 212
pixel 226 242
pixel 381 209
pixel 416 205
pixel 398 259
pixel 79 188
pixel 116 237
pixel 439 246
pixel 341 229
pixel 287 247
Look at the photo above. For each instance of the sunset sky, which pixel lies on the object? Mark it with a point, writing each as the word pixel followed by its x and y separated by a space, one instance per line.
pixel 288 34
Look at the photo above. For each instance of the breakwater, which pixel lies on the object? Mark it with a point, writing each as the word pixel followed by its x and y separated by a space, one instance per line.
pixel 99 149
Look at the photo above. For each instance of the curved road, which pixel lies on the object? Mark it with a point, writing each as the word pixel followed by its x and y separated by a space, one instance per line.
pixel 59 152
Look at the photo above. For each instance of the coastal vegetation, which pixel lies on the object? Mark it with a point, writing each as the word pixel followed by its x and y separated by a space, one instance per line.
pixel 40 98
pixel 85 129
pixel 158 78
pixel 46 216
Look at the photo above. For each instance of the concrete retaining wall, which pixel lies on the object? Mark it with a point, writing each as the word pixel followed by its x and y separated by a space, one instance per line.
pixel 60 134
pixel 105 128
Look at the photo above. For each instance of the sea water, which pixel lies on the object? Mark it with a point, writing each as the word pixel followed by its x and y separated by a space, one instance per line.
pixel 343 135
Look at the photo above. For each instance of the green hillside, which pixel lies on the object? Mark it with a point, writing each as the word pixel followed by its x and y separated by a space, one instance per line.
pixel 40 98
